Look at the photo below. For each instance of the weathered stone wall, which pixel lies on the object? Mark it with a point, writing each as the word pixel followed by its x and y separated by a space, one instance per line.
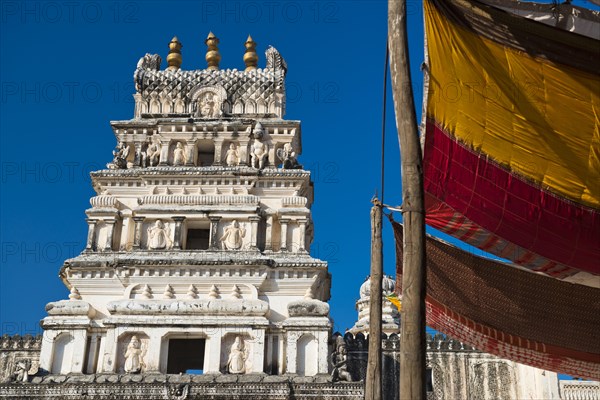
pixel 14 349
pixel 206 387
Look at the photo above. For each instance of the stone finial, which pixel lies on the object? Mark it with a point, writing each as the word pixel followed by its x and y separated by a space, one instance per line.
pixel 147 292
pixel 236 293
pixel 250 56
pixel 192 292
pixel 168 293
pixel 174 58
pixel 74 295
pixel 213 57
pixel 214 292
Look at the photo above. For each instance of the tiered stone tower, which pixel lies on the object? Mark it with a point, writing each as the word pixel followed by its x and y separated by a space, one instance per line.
pixel 197 249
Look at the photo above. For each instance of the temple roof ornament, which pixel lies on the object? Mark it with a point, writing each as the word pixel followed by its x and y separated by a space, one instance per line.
pixel 213 57
pixel 174 58
pixel 250 56
pixel 174 91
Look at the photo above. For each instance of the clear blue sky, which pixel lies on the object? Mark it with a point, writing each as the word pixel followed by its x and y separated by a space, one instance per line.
pixel 66 70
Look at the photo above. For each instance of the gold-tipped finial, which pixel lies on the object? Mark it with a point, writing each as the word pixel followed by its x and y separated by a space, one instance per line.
pixel 250 56
pixel 174 57
pixel 212 53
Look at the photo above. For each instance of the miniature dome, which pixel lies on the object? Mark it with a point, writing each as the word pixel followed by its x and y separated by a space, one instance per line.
pixel 388 285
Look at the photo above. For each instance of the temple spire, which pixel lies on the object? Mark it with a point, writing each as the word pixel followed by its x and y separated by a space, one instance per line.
pixel 174 58
pixel 212 52
pixel 250 56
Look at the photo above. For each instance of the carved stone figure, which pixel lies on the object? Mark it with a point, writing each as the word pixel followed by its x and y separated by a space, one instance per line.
pixel 134 356
pixel 259 149
pixel 21 373
pixel 288 156
pixel 120 154
pixel 232 158
pixel 179 155
pixel 236 363
pixel 339 360
pixel 232 236
pixel 153 152
pixel 209 106
pixel 159 236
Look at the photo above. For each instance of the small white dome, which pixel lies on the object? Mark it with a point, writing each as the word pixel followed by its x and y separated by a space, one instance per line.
pixel 388 285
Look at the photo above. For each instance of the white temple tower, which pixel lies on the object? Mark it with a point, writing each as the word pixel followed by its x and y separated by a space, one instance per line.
pixel 197 249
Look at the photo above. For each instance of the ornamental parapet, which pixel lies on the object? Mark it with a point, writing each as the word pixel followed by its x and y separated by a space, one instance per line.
pixel 211 200
pixel 18 342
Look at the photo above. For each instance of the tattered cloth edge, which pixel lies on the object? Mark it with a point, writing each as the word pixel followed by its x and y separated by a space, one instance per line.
pixel 508 312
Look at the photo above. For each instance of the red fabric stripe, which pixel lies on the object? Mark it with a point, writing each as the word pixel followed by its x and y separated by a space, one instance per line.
pixel 509 207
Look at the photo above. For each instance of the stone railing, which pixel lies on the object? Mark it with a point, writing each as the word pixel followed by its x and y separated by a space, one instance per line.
pixel 579 390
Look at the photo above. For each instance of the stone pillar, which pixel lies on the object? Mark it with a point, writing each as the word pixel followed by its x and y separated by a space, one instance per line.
pixel 137 233
pixel 153 356
pixel 243 152
pixel 178 231
pixel 212 359
pixel 269 344
pixel 323 360
pixel 254 231
pixel 190 148
pixel 218 148
pixel 92 352
pixel 269 234
pixel 164 154
pixel 91 234
pixel 284 227
pixel 47 350
pixel 291 352
pixel 109 356
pixel 213 239
pixel 302 236
pixel 258 350
pixel 109 235
pixel 79 350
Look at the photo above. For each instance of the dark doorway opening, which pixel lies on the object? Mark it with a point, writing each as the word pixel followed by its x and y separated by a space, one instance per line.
pixel 186 355
pixel 197 239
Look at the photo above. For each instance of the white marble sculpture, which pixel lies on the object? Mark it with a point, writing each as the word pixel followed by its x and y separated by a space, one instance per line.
pixel 21 373
pixel 236 363
pixel 159 236
pixel 259 149
pixel 120 155
pixel 134 356
pixel 179 155
pixel 209 106
pixel 153 152
pixel 233 236
pixel 232 158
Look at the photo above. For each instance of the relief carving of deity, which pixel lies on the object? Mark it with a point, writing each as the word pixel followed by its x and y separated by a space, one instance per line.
pixel 159 236
pixel 134 356
pixel 153 152
pixel 236 363
pixel 232 159
pixel 233 235
pixel 179 155
pixel 210 106
pixel 259 149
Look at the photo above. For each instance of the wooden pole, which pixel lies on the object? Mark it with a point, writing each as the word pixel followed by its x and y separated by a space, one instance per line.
pixel 412 340
pixel 373 380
